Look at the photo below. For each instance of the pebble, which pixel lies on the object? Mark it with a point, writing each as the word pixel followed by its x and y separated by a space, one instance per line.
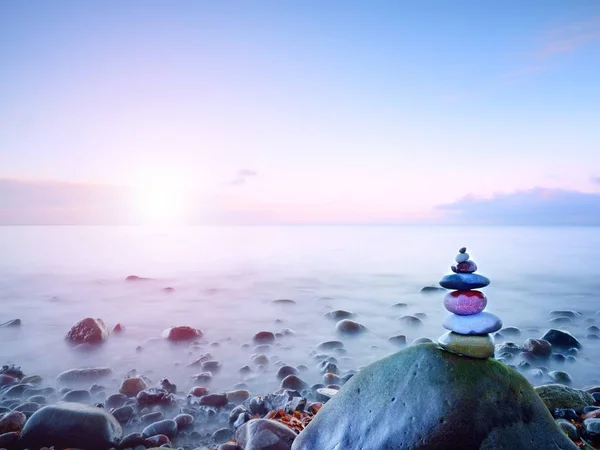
pixel 330 345
pixel 123 414
pixel 84 375
pixel 465 267
pixel 283 301
pixel 132 440
pixel 410 321
pixel 152 417
pixel 482 323
pixel 184 421
pixel 13 421
pixel 293 382
pixel 398 340
pixel 181 333
pixel 214 400
pixel 511 331
pixel 284 371
pixel 78 396
pixel 131 387
pixel 464 281
pixel 480 347
pixel 559 376
pixel 198 391
pixel 324 394
pixel 264 337
pixel 263 434
pixel 561 338
pixel 165 427
pixel 560 320
pixel 212 366
pixel 592 430
pixel 538 347
pixel 222 435
pixel 11 323
pixel 88 331
pixel 238 396
pixel 421 340
pixel 349 327
pixel 465 303
pixel 568 428
pixel 462 257
pixel 564 313
pixel 115 400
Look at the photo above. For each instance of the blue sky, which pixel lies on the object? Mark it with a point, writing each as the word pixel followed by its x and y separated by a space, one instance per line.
pixel 310 112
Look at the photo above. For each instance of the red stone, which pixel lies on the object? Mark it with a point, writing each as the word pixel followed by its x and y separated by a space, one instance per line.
pixel 118 328
pixel 87 331
pixel 199 391
pixel 13 421
pixel 183 333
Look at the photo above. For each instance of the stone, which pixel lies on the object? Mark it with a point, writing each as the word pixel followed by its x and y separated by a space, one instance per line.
pixel 152 417
pixel 565 313
pixel 568 428
pixel 154 396
pixel 264 337
pixel 181 333
pixel 13 421
pixel 557 396
pixel 325 394
pixel 115 400
pixel 349 327
pixel 265 434
pixel 465 303
pixel 87 331
pixel 184 421
pixel 465 267
pixel 166 427
pixel 432 290
pixel 214 400
pixel 293 382
pixel 410 321
pixel 511 331
pixel 284 371
pixel 480 347
pixel 425 398
pixel 464 281
pixel 398 340
pixel 482 323
pixel 330 345
pixel 124 413
pixel 78 396
pixel 238 396
pixel 461 257
pixel 561 338
pixel 9 440
pixel 591 430
pixel 222 435
pixel 559 376
pixel 11 323
pixel 462 250
pixel 132 440
pixel 283 301
pixel 339 314
pixel 72 425
pixel 538 347
pixel 84 375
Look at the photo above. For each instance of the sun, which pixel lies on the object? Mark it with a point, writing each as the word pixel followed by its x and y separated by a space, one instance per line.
pixel 160 200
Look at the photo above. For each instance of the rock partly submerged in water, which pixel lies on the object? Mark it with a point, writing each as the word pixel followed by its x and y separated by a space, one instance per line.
pixel 265 434
pixel 84 375
pixel 557 396
pixel 87 331
pixel 561 338
pixel 182 333
pixel 71 425
pixel 426 398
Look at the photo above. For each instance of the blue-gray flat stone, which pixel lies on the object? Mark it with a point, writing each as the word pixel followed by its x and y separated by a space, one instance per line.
pixel 464 281
pixel 482 323
pixel 461 257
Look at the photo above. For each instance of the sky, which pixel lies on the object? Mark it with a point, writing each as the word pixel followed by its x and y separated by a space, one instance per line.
pixel 311 112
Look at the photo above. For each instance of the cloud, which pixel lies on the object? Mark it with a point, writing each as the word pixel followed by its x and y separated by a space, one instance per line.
pixel 570 38
pixel 242 176
pixel 537 206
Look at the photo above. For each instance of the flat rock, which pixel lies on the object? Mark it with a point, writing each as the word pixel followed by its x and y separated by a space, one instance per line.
pixel 265 434
pixel 560 338
pixel 480 347
pixel 182 333
pixel 71 425
pixel 464 281
pixel 426 398
pixel 482 323
pixel 84 375
pixel 557 396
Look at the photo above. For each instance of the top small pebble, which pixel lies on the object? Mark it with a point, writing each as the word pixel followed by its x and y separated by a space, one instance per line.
pixel 462 250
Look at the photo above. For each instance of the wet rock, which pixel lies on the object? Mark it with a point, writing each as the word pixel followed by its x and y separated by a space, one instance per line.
pixel 131 387
pixel 203 358
pixel 228 446
pixel 202 378
pixel 330 345
pixel 339 314
pixel 118 328
pixel 181 333
pixel 160 440
pixel 283 301
pixel 198 391
pixel 421 340
pixel 132 440
pixel 560 338
pixel 410 321
pixel 124 413
pixel 400 305
pixel 349 327
pixel 478 404
pixel 260 360
pixel 84 375
pixel 214 400
pixel 293 382
pixel 88 331
pixel 238 396
pixel 72 425
pixel 152 417
pixel 398 340
pixel 556 396
pixel 565 313
pixel 591 430
pixel 165 427
pixel 265 434
pixel 78 396
pixel 154 396
pixel 568 428
pixel 510 331
pixel 115 400
pixel 284 371
pixel 560 376
pixel 328 367
pixel 7 380
pixel 538 347
pixel 11 323
pixel 432 290
pixel 184 421
pixel 9 440
pixel 264 337
pixel 222 435
pixel 13 421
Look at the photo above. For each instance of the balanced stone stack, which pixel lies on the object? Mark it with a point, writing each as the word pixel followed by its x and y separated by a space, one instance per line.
pixel 469 325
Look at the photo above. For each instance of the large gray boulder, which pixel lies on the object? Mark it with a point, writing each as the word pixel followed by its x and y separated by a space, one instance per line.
pixel 423 398
pixel 66 425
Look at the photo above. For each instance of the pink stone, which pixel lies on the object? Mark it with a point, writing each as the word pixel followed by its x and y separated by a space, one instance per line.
pixel 465 303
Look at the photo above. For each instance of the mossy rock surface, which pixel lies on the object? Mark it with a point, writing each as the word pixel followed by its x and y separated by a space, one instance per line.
pixel 423 398
pixel 559 396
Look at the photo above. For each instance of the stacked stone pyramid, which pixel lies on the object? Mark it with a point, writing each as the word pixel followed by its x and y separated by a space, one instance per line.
pixel 469 325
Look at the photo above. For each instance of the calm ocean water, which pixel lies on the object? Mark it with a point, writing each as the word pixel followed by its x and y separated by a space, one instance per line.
pixel 225 277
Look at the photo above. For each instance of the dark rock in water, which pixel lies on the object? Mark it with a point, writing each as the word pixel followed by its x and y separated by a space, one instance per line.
pixel 152 417
pixel 13 421
pixel 137 278
pixel 565 313
pixel 591 430
pixel 182 333
pixel 539 347
pixel 264 337
pixel 168 289
pixel 293 382
pixel 511 331
pixel 432 290
pixel 399 340
pixel 214 400
pixel 565 413
pixel 87 331
pixel 9 440
pixel 464 281
pixel 330 345
pixel 283 301
pixel 78 396
pixel 222 435
pixel 349 327
pixel 410 321
pixel 284 371
pixel 229 446
pixel 167 386
pixel 265 434
pixel 118 328
pixel 198 362
pixel 84 375
pixel 115 400
pixel 593 329
pixel 421 340
pixel 400 305
pixel 158 441
pixel 470 404
pixel 154 396
pixel 124 413
pixel 211 366
pixel 11 323
pixel 184 421
pixel 559 376
pixel 560 320
pixel 71 425
pixel 167 427
pixel 556 396
pixel 132 440
pixel 12 371
pixel 7 380
pixel 238 396
pixel 560 338
pixel 568 428
pixel 131 387
pixel 204 377
pixel 339 314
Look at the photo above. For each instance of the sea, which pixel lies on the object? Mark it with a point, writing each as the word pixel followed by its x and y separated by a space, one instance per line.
pixel 224 280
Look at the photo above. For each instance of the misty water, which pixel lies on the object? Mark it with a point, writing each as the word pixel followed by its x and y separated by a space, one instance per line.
pixel 225 278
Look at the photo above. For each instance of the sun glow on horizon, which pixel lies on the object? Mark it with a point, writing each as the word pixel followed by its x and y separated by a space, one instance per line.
pixel 161 199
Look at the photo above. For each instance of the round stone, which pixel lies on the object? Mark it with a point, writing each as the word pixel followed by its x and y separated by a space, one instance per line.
pixel 480 347
pixel 465 267
pixel 465 303
pixel 482 323
pixel 464 281
pixel 462 250
pixel 461 257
